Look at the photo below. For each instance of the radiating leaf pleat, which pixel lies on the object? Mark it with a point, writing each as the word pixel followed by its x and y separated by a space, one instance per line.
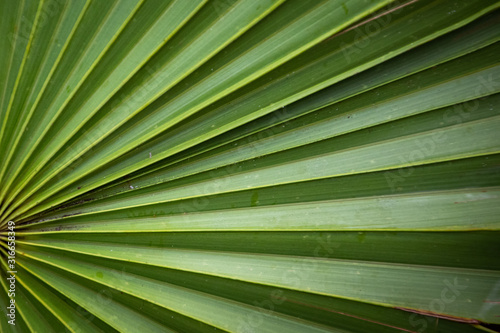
pixel 102 21
pixel 154 24
pixel 54 29
pixel 260 94
pixel 198 305
pixel 388 104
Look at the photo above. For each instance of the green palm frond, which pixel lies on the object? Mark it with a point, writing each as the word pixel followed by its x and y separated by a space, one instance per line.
pixel 250 166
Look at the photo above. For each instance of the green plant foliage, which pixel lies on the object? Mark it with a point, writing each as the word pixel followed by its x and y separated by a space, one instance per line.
pixel 250 166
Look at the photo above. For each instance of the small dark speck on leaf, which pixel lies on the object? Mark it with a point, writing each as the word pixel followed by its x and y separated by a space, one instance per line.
pixel 345 8
pixel 254 200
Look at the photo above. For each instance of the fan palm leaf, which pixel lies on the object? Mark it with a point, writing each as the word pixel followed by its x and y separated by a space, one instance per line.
pixel 250 166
